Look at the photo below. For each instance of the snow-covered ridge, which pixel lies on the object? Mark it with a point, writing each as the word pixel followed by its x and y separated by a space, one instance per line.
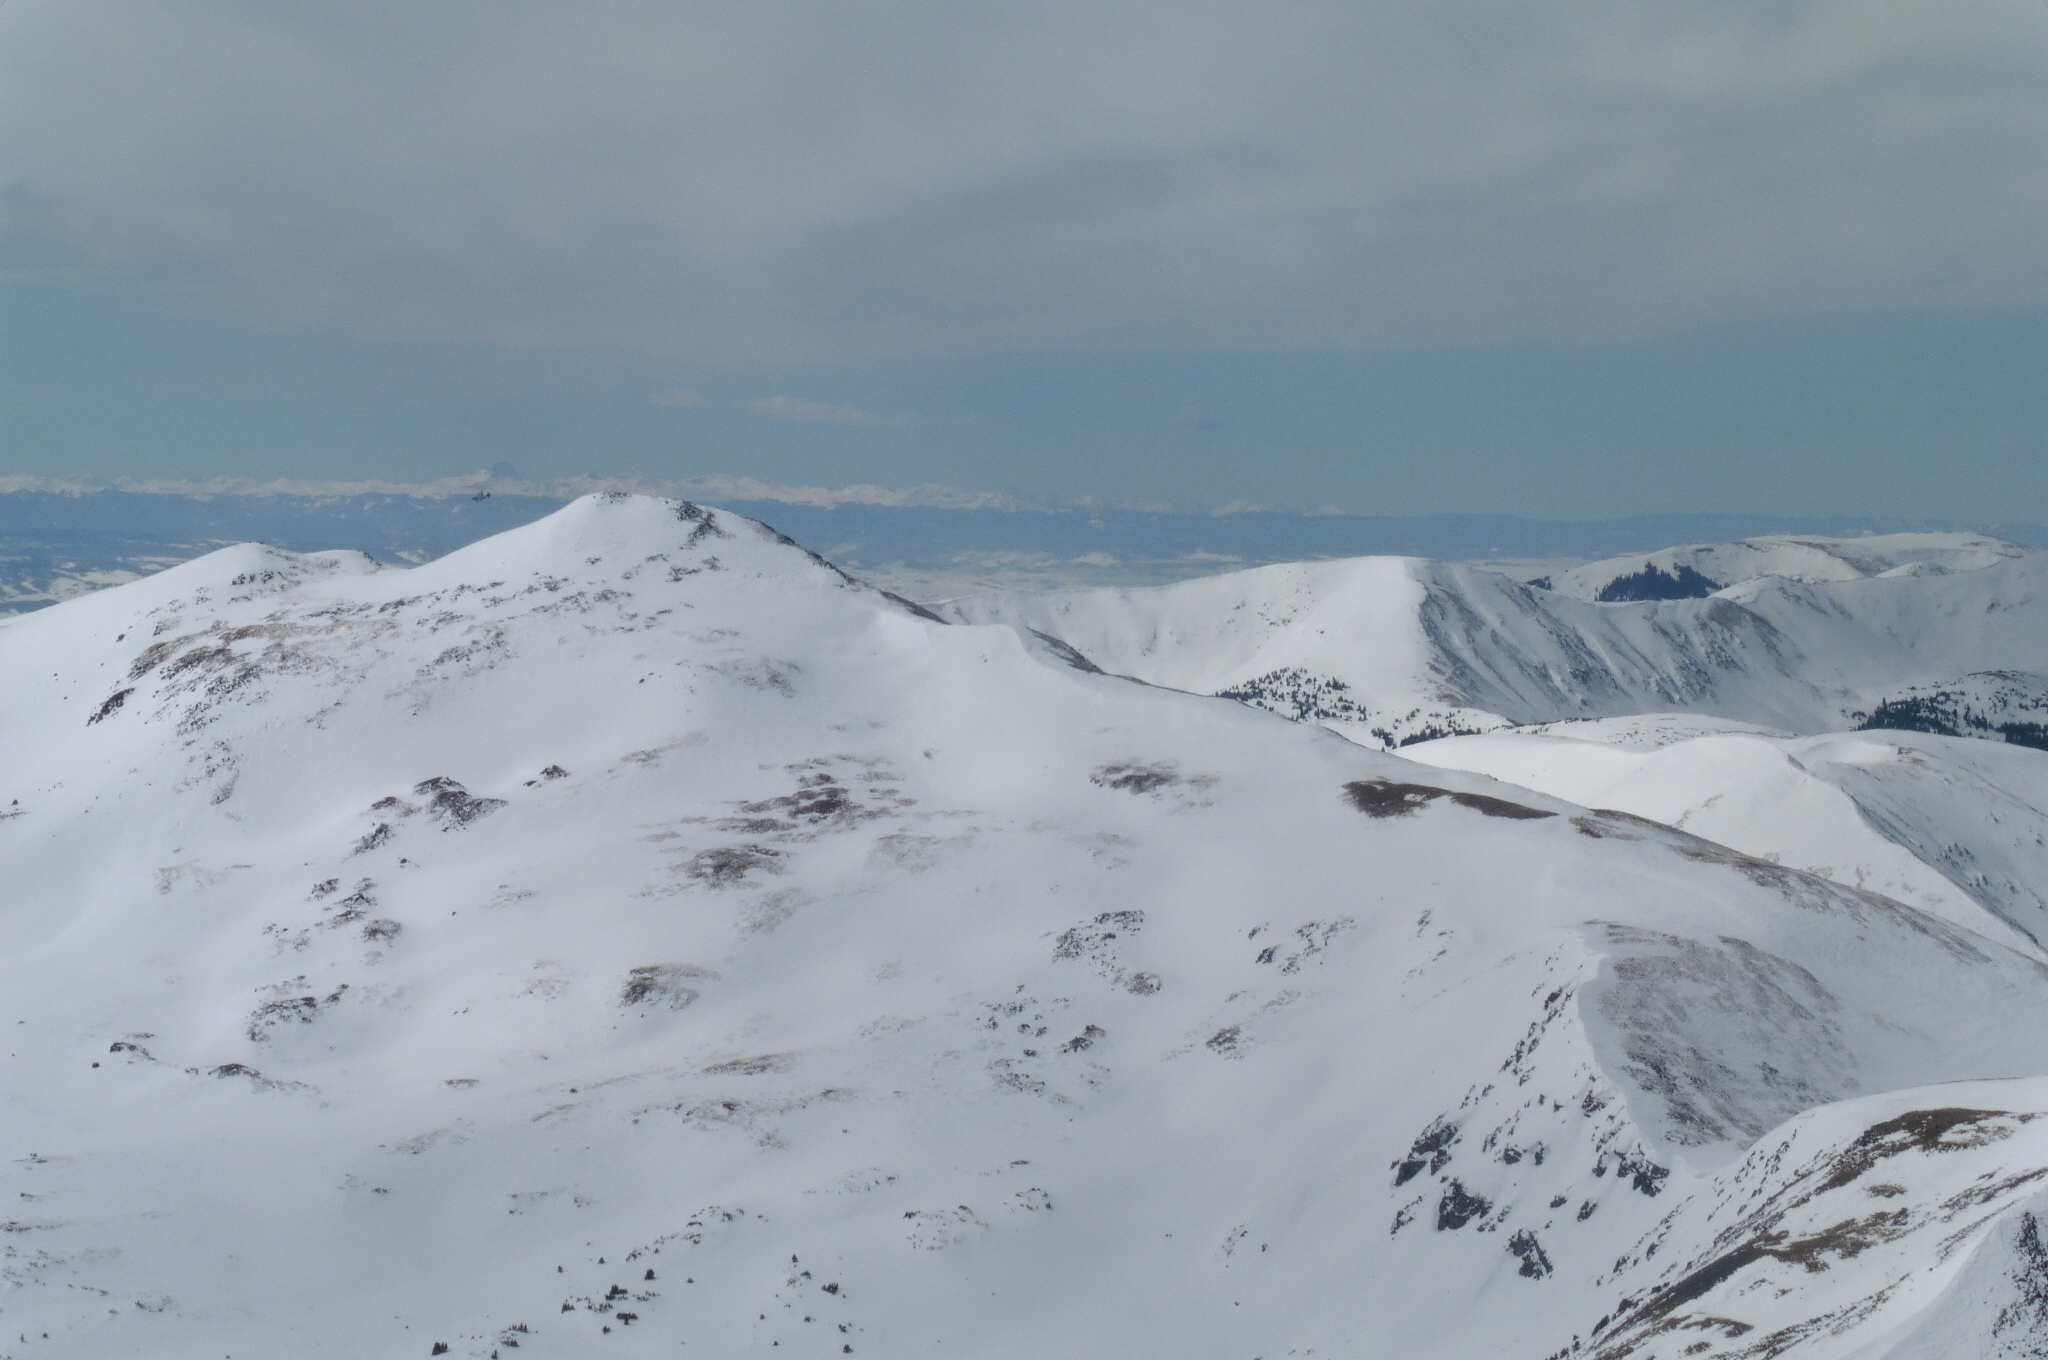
pixel 1389 650
pixel 631 935
pixel 1702 568
pixel 1996 705
pixel 1954 827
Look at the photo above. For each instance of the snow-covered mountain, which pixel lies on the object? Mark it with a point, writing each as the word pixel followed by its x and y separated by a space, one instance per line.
pixel 2007 705
pixel 629 935
pixel 1955 827
pixel 1389 650
pixel 1703 568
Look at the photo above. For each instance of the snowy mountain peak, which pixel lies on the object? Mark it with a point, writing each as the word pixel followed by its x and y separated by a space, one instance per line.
pixel 631 934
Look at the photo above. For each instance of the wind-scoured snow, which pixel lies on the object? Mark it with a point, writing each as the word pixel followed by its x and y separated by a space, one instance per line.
pixel 630 935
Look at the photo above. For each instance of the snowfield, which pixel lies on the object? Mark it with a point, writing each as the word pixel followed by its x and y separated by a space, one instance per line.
pixel 1952 826
pixel 631 936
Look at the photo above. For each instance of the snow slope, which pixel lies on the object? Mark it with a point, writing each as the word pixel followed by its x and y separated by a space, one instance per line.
pixel 1798 557
pixel 631 936
pixel 1389 650
pixel 1958 828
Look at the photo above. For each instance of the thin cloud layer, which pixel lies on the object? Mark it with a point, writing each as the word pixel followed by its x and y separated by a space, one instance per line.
pixel 777 182
pixel 716 487
pixel 824 413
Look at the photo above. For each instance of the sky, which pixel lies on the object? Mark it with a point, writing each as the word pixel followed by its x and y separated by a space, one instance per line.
pixel 1599 257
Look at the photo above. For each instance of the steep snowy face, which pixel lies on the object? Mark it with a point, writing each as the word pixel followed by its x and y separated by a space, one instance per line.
pixel 631 933
pixel 1702 568
pixel 1393 650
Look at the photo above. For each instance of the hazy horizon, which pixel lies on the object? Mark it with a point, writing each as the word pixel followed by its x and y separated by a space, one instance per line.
pixel 1611 260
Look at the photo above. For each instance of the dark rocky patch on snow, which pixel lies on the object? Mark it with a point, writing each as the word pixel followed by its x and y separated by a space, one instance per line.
pixel 1941 1130
pixel 661 984
pixel 452 804
pixel 1459 1207
pixel 1387 798
pixel 819 799
pixel 287 1009
pixel 376 836
pixel 349 909
pixel 757 1065
pixel 726 865
pixel 1085 1040
pixel 1535 1263
pixel 1099 942
pixel 1094 940
pixel 703 523
pixel 1431 1151
pixel 1131 777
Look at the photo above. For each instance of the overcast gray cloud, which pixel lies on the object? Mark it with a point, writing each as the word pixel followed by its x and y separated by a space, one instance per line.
pixel 772 181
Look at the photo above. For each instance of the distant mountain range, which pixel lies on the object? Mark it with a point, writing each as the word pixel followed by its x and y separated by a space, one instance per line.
pixel 1807 635
pixel 927 544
